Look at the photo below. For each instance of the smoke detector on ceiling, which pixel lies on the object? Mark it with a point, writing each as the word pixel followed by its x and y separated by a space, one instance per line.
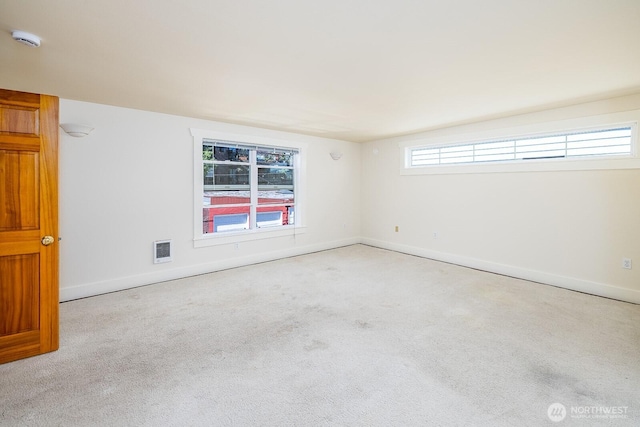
pixel 23 37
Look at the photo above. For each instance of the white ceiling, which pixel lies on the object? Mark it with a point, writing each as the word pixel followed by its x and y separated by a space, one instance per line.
pixel 356 70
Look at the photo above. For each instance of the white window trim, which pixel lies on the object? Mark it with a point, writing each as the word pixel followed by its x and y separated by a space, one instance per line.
pixel 230 237
pixel 629 118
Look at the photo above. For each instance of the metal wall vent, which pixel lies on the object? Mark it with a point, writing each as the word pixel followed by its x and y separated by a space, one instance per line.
pixel 162 251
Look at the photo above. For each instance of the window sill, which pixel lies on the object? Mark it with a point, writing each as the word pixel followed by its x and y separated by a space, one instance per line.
pixel 246 236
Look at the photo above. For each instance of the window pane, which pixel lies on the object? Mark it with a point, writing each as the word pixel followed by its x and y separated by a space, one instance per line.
pixel 494 158
pixel 425 156
pixel 426 152
pixel 419 157
pixel 274 157
pixel 490 145
pixel 269 219
pixel 215 220
pixel 271 197
pixel 600 151
pixel 227 154
pixel 540 141
pixel 275 178
pixel 291 211
pixel 207 152
pixel 536 155
pixel 626 142
pixel 541 147
pixel 222 176
pixel 457 160
pixel 616 133
pixel 460 153
pixel 229 197
pixel 226 184
pixel 481 151
pixel 274 216
pixel 207 173
pixel 456 149
pixel 425 162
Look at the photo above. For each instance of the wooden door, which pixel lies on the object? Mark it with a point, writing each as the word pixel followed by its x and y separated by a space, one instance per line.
pixel 28 213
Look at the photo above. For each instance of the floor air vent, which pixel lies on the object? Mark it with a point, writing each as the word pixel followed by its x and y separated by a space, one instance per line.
pixel 162 251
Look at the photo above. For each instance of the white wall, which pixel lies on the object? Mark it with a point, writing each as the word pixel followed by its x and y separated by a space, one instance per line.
pixel 565 228
pixel 130 182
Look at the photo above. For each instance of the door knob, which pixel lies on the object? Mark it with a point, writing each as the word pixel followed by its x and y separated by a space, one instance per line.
pixel 47 240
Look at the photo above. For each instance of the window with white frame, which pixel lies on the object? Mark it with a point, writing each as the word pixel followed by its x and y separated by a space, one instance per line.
pixel 246 187
pixel 606 142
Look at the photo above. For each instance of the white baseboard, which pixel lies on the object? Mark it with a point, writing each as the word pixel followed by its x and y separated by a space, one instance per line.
pixel 593 288
pixel 119 284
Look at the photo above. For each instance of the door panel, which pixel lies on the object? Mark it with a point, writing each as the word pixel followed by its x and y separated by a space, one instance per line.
pixel 28 212
pixel 19 293
pixel 18 190
pixel 19 119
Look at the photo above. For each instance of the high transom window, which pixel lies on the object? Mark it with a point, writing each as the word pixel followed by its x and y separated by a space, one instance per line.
pixel 247 187
pixel 604 142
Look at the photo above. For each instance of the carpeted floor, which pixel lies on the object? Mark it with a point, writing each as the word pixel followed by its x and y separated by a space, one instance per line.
pixel 355 336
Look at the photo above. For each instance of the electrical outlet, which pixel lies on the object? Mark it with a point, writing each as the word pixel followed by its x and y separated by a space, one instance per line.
pixel 236 246
pixel 626 263
pixel 435 234
pixel 396 228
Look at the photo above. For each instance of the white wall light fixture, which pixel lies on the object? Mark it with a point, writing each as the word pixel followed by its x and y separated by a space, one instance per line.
pixel 336 155
pixel 76 130
pixel 25 38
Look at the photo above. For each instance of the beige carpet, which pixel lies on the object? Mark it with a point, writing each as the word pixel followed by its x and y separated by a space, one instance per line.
pixel 355 336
